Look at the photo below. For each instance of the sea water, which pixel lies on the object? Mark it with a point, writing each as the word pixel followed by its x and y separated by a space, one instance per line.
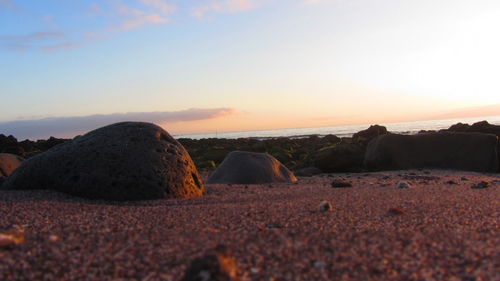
pixel 345 131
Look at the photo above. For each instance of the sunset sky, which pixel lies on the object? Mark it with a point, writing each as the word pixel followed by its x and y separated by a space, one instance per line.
pixel 228 65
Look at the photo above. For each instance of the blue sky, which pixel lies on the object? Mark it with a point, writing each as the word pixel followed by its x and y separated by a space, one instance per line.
pixel 253 64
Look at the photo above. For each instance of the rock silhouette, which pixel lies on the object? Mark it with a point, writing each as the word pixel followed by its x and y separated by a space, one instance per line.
pixel 445 150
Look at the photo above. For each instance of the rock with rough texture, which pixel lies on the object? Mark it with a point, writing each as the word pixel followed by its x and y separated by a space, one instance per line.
pixel 241 167
pixel 445 150
pixel 123 161
pixel 8 163
pixel 370 133
pixel 342 157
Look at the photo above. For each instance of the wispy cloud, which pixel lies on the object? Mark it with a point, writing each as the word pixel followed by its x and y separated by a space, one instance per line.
pixel 44 40
pixel 115 17
pixel 71 126
pixel 134 18
pixel 223 7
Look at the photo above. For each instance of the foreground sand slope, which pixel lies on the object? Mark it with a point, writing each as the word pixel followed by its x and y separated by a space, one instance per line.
pixel 438 229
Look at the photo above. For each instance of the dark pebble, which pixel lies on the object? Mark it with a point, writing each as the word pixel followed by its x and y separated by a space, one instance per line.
pixel 395 211
pixel 340 184
pixel 480 185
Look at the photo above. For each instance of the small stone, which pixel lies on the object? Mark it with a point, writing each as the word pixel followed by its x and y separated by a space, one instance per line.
pixel 318 264
pixel 340 184
pixel 480 185
pixel 464 179
pixel 395 211
pixel 217 265
pixel 325 206
pixel 13 235
pixel 54 238
pixel 254 270
pixel 274 225
pixel 451 182
pixel 403 185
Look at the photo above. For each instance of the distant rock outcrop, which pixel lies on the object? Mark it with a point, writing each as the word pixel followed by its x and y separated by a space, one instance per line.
pixel 123 161
pixel 242 167
pixel 445 150
pixel 485 128
pixel 372 132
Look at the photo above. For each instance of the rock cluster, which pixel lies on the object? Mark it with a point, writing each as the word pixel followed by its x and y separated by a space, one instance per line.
pixel 306 155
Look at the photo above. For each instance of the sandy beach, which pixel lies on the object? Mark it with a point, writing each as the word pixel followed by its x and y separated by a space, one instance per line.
pixel 438 229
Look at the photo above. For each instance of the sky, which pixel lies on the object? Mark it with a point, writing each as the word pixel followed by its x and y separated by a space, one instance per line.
pixel 200 66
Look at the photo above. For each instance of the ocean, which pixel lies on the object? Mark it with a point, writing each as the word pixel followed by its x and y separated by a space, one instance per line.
pixel 345 131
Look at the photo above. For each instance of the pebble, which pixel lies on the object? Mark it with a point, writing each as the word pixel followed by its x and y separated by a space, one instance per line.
pixel 13 235
pixel 395 211
pixel 340 184
pixel 403 185
pixel 274 225
pixel 219 264
pixel 325 206
pixel 480 185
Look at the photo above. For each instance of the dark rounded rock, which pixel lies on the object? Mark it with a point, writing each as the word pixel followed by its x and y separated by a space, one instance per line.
pixel 241 167
pixel 123 161
pixel 8 163
pixel 342 157
pixel 445 150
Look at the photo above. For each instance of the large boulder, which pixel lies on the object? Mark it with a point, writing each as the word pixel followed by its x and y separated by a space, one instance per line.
pixel 123 161
pixel 342 157
pixel 445 150
pixel 8 163
pixel 241 167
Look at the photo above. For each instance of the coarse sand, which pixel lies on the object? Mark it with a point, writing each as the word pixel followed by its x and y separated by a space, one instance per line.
pixel 439 228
